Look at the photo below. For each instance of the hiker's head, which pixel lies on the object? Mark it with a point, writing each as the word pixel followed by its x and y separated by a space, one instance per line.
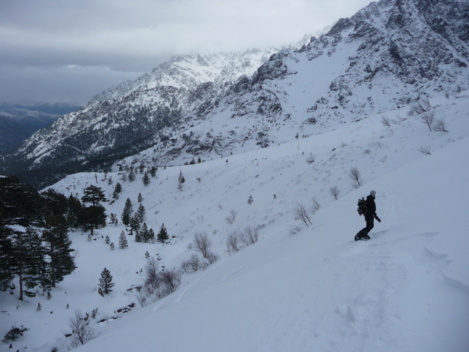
pixel 373 194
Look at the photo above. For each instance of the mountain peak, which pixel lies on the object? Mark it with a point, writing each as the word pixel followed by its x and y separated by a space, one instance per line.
pixel 386 56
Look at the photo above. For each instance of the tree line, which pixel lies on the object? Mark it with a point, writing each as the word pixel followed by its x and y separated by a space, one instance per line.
pixel 35 250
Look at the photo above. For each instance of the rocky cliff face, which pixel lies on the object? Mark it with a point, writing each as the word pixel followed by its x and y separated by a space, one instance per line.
pixel 390 54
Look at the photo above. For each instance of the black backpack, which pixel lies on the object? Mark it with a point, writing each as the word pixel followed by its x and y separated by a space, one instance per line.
pixel 361 206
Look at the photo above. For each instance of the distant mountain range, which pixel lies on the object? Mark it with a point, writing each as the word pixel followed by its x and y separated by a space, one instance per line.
pixel 389 55
pixel 19 122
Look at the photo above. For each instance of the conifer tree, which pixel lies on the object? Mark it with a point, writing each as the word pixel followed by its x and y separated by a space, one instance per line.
pixel 29 264
pixel 163 234
pixel 140 213
pixel 105 282
pixel 94 216
pixel 140 198
pixel 127 212
pixel 6 255
pixel 74 212
pixel 58 248
pixel 117 190
pixel 123 241
pixel 135 224
pixel 131 175
pixel 146 179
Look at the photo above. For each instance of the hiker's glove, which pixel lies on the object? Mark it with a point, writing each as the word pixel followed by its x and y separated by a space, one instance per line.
pixel 377 218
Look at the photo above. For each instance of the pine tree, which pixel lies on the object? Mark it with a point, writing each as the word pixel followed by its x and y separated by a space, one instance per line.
pixel 117 190
pixel 105 282
pixel 140 198
pixel 127 212
pixel 140 213
pixel 29 260
pixel 132 175
pixel 94 216
pixel 163 234
pixel 6 255
pixel 93 195
pixel 74 212
pixel 135 224
pixel 146 179
pixel 58 248
pixel 123 241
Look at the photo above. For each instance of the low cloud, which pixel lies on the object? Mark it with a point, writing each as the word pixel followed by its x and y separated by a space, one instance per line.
pixel 122 38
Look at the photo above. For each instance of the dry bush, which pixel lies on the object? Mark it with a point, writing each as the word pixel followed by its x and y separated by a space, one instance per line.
pixel 356 177
pixel 249 236
pixel 311 159
pixel 440 126
pixel 302 214
pixel 334 192
pixel 230 219
pixel 232 242
pixel 202 243
pixel 425 149
pixel 82 331
pixel 420 107
pixel 386 121
pixel 428 118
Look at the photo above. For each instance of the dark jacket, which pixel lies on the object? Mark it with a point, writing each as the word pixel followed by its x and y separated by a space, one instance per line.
pixel 370 206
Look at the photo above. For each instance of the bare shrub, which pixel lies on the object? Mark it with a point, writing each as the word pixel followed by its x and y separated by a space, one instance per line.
pixel 142 298
pixel 232 242
pixel 82 331
pixel 428 118
pixel 425 149
pixel 249 236
pixel 192 265
pixel 440 126
pixel 202 243
pixel 211 257
pixel 152 278
pixel 170 280
pixel 334 192
pixel 316 205
pixel 295 229
pixel 420 107
pixel 356 177
pixel 302 214
pixel 311 159
pixel 386 121
pixel 230 219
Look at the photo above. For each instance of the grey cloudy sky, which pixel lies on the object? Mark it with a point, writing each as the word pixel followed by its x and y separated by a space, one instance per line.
pixel 70 50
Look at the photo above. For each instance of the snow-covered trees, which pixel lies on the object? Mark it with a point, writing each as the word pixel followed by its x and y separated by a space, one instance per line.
pixel 163 234
pixel 127 212
pixel 105 282
pixel 29 264
pixel 34 244
pixel 123 241
pixel 58 248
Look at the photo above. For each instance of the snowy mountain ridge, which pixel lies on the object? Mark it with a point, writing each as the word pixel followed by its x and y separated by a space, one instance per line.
pixel 389 55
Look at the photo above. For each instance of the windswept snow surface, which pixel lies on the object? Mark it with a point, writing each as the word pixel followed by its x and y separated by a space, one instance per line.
pixel 308 289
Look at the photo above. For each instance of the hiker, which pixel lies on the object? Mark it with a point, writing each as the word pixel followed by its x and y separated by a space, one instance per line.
pixel 370 215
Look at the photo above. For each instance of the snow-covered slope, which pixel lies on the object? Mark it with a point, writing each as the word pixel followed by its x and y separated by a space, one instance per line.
pixel 298 288
pixel 389 55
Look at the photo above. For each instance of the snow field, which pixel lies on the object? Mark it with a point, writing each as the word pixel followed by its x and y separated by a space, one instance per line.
pixel 407 289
